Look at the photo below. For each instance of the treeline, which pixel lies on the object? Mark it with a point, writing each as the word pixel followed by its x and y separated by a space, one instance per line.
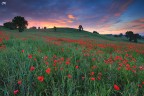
pixel 130 35
pixel 17 22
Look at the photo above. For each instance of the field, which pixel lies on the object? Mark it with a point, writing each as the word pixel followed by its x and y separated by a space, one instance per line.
pixel 69 63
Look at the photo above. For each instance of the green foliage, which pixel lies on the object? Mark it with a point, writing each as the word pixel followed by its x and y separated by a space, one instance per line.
pixel 20 23
pixel 129 34
pixel 9 25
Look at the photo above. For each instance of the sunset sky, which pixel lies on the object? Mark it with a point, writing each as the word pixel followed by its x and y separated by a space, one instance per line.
pixel 104 16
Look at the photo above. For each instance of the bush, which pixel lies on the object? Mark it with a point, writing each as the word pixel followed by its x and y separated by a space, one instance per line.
pixel 9 25
pixel 95 32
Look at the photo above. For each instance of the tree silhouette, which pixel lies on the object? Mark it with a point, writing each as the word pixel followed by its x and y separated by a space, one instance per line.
pixel 120 35
pixel 55 28
pixel 45 27
pixel 129 35
pixel 9 25
pixel 33 27
pixel 80 28
pixel 135 37
pixel 20 23
pixel 95 32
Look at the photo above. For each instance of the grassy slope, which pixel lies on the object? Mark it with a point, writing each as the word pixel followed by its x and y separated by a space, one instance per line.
pixel 67 33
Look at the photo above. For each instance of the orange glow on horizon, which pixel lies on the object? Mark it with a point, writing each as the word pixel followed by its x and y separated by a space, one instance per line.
pixel 105 29
pixel 42 24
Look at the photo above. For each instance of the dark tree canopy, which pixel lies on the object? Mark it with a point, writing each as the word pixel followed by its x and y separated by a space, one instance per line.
pixel 55 29
pixel 9 25
pixel 131 36
pixel 33 27
pixel 80 28
pixel 45 27
pixel 120 35
pixel 20 23
pixel 95 32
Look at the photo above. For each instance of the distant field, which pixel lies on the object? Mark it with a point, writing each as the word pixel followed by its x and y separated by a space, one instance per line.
pixel 69 63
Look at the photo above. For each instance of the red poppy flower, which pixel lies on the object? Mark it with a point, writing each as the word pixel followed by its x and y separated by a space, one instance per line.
pixel 99 78
pixel 61 69
pixel 48 70
pixel 46 63
pixel 30 56
pixel 139 85
pixel 15 92
pixel 69 76
pixel 40 78
pixel 67 62
pixel 22 51
pixel 92 78
pixel 19 82
pixel 55 61
pixel 116 87
pixel 45 57
pixel 143 82
pixel 77 67
pixel 32 68
pixel 62 58
pixel 93 67
pixel 35 59
pixel 93 59
pixel 119 68
pixel 92 73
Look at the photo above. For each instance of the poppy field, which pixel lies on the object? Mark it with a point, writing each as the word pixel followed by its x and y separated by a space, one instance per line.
pixel 39 64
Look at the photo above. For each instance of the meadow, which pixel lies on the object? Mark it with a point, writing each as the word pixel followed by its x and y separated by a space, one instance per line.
pixel 69 63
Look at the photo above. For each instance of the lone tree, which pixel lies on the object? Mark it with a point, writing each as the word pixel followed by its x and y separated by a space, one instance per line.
pixel 95 32
pixel 45 27
pixel 20 23
pixel 129 35
pixel 80 28
pixel 120 35
pixel 55 28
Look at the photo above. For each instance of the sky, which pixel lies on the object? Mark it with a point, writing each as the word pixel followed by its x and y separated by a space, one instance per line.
pixel 103 16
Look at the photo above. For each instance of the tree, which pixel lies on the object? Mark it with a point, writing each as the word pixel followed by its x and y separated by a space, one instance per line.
pixel 20 23
pixel 120 35
pixel 45 27
pixel 55 28
pixel 33 27
pixel 80 28
pixel 116 36
pixel 129 35
pixel 9 25
pixel 135 36
pixel 95 32
pixel 139 36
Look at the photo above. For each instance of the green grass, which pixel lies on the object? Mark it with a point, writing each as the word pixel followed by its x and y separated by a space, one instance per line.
pixel 62 59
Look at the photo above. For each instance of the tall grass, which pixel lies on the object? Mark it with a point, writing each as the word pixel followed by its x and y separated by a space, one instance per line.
pixel 75 70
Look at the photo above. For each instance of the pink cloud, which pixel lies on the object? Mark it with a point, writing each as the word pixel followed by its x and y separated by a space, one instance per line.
pixel 118 8
pixel 70 16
